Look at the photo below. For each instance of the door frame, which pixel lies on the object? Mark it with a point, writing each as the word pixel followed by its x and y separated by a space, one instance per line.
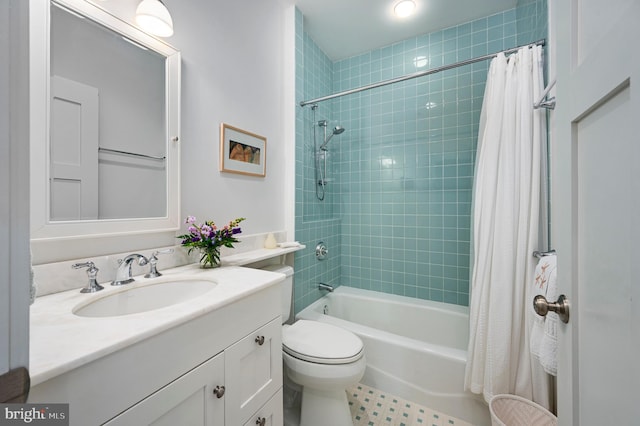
pixel 14 188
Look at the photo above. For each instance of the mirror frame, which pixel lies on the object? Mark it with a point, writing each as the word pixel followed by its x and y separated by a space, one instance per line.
pixel 44 232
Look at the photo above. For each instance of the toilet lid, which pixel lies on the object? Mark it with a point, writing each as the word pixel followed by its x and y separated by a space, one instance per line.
pixel 321 343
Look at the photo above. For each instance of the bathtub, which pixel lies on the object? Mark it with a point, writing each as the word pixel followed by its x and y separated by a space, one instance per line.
pixel 415 349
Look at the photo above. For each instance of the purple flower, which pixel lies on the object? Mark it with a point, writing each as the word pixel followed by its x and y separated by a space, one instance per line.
pixel 205 231
pixel 193 230
pixel 236 231
pixel 190 219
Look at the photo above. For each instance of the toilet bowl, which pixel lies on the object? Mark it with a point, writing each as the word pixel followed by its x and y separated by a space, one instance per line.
pixel 321 358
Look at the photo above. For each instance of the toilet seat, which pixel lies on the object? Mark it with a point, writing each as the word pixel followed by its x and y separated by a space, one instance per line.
pixel 321 343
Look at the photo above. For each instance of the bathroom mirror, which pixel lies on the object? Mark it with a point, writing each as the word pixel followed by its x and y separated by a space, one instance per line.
pixel 105 125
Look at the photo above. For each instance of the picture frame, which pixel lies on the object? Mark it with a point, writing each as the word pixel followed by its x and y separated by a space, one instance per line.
pixel 242 152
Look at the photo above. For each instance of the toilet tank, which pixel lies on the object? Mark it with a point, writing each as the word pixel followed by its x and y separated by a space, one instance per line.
pixel 287 288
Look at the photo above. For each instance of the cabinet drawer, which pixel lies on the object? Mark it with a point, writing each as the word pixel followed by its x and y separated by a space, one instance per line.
pixel 270 414
pixel 253 368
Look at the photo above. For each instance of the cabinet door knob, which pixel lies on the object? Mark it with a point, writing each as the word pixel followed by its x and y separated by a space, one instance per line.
pixel 260 340
pixel 261 421
pixel 219 391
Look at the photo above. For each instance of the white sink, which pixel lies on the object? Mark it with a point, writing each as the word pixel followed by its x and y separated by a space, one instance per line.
pixel 145 298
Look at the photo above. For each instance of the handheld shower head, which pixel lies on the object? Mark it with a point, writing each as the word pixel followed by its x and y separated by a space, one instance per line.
pixel 336 131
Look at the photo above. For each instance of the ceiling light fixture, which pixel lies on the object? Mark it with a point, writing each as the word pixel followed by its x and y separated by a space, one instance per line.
pixel 153 17
pixel 404 8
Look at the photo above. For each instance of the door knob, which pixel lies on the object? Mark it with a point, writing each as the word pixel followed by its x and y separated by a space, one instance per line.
pixel 561 307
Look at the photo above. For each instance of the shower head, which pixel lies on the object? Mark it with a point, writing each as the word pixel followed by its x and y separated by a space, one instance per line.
pixel 336 131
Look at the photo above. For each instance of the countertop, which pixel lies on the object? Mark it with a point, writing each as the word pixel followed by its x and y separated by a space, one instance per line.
pixel 61 341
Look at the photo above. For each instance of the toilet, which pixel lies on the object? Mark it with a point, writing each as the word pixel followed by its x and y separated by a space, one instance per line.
pixel 323 359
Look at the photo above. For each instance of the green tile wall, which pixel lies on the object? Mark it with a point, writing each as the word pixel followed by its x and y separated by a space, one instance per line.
pixel 398 212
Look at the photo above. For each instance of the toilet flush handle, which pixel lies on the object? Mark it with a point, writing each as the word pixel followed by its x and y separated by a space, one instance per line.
pixel 261 421
pixel 260 340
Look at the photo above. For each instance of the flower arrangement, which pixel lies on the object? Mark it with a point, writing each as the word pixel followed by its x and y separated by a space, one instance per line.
pixel 208 238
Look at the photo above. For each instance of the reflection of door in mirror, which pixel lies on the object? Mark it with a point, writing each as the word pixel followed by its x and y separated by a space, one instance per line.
pixel 127 155
pixel 74 150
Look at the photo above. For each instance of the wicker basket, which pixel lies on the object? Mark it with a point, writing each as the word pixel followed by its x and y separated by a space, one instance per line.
pixel 512 410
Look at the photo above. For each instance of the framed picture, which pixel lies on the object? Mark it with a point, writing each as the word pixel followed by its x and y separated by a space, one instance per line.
pixel 242 152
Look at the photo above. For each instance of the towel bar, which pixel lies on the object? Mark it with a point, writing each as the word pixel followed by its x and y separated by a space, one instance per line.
pixel 541 254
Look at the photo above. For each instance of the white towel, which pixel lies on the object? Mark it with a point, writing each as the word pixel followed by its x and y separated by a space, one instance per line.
pixel 288 244
pixel 544 283
pixel 549 343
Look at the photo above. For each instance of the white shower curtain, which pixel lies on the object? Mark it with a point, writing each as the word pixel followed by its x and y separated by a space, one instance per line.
pixel 508 205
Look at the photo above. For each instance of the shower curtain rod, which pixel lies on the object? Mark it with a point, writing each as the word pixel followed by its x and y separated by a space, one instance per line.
pixel 420 74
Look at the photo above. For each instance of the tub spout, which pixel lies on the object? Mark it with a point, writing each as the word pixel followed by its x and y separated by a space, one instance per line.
pixel 323 286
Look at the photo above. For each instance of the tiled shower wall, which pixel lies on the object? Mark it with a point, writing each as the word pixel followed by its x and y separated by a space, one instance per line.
pixel 400 199
pixel 315 220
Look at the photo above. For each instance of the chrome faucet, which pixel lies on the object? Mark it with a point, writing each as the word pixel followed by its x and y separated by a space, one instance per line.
pixel 323 286
pixel 123 273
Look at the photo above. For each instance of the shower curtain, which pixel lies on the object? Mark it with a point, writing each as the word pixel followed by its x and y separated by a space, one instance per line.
pixel 509 209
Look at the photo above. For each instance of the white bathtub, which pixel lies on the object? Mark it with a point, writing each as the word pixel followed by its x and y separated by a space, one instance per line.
pixel 415 349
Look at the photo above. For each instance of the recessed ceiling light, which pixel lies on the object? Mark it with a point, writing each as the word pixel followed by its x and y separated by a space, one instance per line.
pixel 404 8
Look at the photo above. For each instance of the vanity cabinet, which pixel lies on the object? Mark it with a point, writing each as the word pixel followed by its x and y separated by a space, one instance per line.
pixel 242 384
pixel 169 378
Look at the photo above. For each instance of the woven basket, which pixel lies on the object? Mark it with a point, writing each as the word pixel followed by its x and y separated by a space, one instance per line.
pixel 512 410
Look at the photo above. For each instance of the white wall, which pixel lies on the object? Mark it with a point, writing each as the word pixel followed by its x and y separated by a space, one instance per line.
pixel 236 69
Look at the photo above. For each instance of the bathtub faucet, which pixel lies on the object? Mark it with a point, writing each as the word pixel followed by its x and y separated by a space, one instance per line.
pixel 323 286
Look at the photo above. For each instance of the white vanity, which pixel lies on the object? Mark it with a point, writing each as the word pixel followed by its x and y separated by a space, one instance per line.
pixel 212 360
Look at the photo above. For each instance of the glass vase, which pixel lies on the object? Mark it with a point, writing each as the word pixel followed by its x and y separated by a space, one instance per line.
pixel 210 258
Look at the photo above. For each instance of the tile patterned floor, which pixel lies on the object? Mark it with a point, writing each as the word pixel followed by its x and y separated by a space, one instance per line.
pixel 373 407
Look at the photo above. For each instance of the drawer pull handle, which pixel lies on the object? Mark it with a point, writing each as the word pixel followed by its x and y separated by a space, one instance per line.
pixel 260 340
pixel 261 421
pixel 219 391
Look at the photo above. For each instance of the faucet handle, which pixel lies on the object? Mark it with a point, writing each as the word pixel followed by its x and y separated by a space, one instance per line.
pixel 90 265
pixel 153 262
pixel 92 273
pixel 165 251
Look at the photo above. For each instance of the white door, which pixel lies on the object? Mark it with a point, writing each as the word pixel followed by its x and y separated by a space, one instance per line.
pixel 74 150
pixel 596 211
